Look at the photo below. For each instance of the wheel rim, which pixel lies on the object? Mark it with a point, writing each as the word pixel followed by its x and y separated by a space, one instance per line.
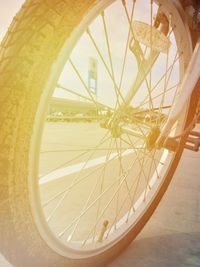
pixel 65 241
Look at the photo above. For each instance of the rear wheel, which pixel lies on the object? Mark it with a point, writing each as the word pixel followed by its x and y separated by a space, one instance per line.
pixel 79 190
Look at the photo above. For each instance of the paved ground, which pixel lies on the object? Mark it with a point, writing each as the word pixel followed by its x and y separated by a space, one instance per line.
pixel 172 237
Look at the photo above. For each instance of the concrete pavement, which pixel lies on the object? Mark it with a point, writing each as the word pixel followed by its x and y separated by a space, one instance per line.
pixel 172 236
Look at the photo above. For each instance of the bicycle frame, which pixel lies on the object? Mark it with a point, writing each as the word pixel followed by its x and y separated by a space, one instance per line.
pixel 187 86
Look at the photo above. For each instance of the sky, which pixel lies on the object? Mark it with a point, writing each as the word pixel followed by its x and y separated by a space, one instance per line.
pixel 8 9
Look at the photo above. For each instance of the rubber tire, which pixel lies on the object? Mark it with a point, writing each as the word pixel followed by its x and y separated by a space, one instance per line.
pixel 33 36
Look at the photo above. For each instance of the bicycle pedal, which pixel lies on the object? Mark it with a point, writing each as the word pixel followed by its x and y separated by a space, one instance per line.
pixel 151 37
pixel 193 141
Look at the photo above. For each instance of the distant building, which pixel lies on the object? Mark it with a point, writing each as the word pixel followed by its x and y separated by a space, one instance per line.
pixel 67 107
pixel 93 76
pixel 65 110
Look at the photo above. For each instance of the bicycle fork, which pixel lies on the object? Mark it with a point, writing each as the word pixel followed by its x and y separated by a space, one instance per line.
pixel 188 85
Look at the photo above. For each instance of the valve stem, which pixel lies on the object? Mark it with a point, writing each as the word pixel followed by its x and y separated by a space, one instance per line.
pixel 103 230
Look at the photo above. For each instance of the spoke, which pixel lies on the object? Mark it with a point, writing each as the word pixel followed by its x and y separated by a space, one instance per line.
pixel 105 65
pixel 79 150
pixel 101 188
pixel 64 164
pixel 113 196
pixel 137 122
pixel 110 201
pixel 75 179
pixel 166 81
pixel 177 57
pixel 170 68
pixel 92 192
pixel 110 57
pixel 141 66
pixel 149 175
pixel 154 162
pixel 138 159
pixel 77 182
pixel 140 129
pixel 121 165
pixel 124 201
pixel 124 59
pixel 127 46
pixel 121 171
pixel 84 208
pixel 116 192
pixel 71 186
pixel 148 110
pixel 151 51
pixel 143 148
pixel 100 105
pixel 167 91
pixel 101 142
pixel 136 188
pixel 91 205
pixel 175 95
pixel 83 83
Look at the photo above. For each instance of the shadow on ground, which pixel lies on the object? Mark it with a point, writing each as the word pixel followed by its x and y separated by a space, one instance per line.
pixel 172 250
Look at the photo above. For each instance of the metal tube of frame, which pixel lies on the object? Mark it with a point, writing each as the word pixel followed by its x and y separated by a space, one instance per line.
pixel 186 88
pixel 127 130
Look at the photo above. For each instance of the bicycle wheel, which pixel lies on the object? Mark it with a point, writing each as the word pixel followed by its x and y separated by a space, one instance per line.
pixel 78 191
